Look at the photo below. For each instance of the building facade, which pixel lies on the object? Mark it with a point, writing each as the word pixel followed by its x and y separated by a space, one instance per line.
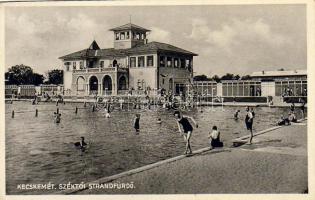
pixel 261 84
pixel 133 64
pixel 282 83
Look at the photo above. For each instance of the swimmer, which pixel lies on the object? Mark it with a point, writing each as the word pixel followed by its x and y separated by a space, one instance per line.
pixel 107 115
pixel 136 123
pixel 236 114
pixel 187 129
pixel 292 117
pixel 159 121
pixel 283 121
pixel 214 138
pixel 57 117
pixel 81 145
pixel 107 112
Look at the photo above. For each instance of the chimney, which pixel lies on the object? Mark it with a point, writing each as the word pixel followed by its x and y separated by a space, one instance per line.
pixel 263 72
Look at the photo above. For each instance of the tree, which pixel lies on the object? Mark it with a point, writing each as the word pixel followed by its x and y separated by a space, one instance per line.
pixel 246 77
pixel 22 74
pixel 37 79
pixel 228 76
pixel 201 78
pixel 237 77
pixel 216 78
pixel 55 76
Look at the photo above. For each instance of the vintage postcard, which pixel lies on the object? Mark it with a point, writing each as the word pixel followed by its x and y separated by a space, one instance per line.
pixel 173 98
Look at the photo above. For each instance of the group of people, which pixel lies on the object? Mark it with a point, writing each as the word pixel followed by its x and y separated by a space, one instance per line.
pixel 291 118
pixel 185 128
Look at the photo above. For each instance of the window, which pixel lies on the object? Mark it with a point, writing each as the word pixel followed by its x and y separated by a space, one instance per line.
pixel 81 64
pixel 67 64
pixel 150 61
pixel 117 36
pixel 169 62
pixel 162 61
pixel 132 61
pixel 102 64
pixel 176 62
pixel 127 35
pixel 163 81
pixel 142 36
pixel 182 63
pixel 141 61
pixel 74 65
pixel 187 63
pixel 122 35
pixel 138 36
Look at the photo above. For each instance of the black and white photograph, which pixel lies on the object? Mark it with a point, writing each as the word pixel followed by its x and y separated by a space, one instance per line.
pixel 123 98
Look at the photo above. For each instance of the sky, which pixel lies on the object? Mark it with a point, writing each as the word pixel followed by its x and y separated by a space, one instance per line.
pixel 238 39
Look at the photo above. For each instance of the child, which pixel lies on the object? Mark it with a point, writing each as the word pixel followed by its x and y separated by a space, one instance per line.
pixel 187 127
pixel 214 137
pixel 136 123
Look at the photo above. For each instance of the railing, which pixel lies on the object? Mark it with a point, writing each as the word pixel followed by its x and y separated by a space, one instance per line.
pixel 122 92
pixel 107 92
pixel 107 69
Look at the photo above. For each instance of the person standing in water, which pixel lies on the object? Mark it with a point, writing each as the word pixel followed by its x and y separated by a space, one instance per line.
pixel 136 123
pixel 57 117
pixel 249 119
pixel 187 127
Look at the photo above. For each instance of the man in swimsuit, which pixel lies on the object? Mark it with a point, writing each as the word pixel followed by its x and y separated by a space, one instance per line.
pixel 187 127
pixel 249 123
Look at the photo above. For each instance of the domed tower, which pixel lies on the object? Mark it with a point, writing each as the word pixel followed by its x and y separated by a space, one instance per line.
pixel 129 36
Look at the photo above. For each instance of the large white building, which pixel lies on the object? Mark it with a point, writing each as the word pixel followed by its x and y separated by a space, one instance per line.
pixel 133 64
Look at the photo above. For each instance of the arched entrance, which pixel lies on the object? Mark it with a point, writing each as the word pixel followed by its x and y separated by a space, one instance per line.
pixel 107 85
pixel 81 85
pixel 122 83
pixel 93 85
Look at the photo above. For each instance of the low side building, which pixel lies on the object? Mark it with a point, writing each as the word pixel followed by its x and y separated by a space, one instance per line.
pixel 282 83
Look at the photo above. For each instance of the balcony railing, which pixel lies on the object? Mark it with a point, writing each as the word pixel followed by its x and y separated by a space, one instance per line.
pixel 106 69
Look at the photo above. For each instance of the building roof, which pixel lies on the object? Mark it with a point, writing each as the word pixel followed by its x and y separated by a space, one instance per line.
pixel 129 26
pixel 111 52
pixel 158 46
pixel 91 53
pixel 279 73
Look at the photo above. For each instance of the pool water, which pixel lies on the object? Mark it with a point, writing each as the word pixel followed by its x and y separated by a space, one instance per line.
pixel 41 151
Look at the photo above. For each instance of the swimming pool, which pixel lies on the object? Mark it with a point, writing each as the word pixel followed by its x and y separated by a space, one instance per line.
pixel 40 151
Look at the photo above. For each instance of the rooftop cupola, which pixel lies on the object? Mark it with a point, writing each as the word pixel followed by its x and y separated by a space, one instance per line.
pixel 129 35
